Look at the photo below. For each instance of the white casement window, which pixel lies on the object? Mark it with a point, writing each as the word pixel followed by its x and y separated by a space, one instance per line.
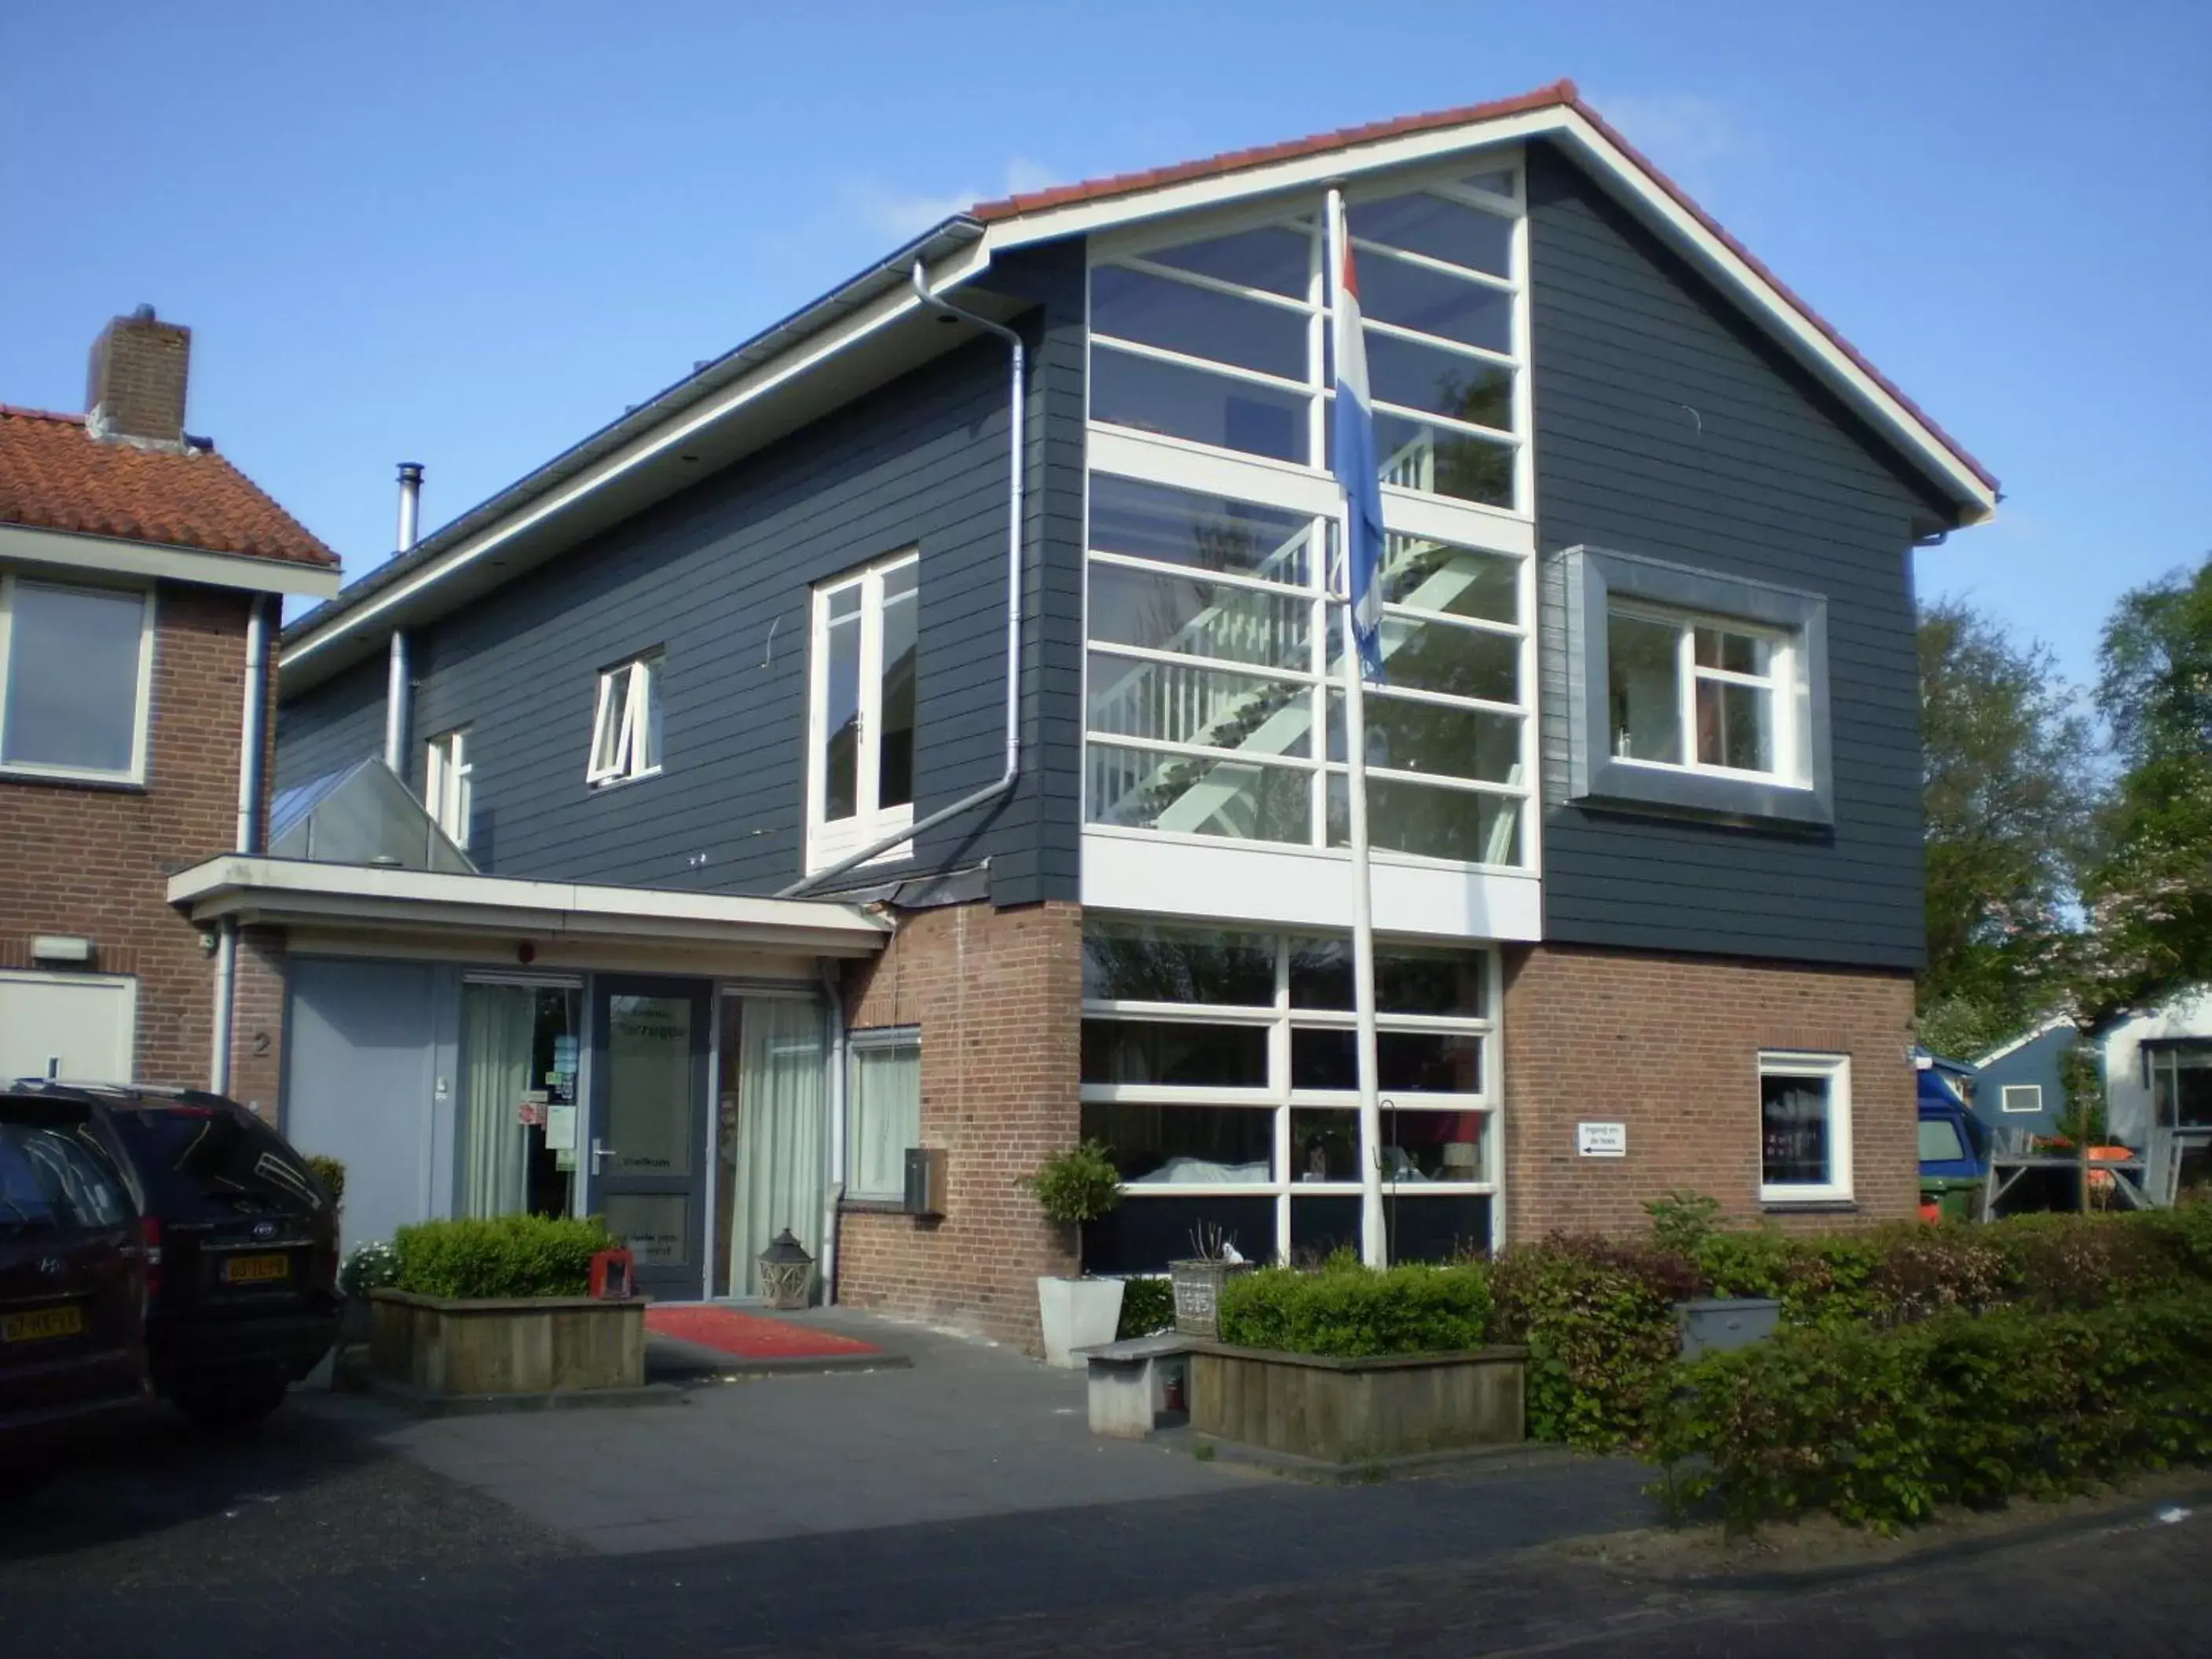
pixel 883 1105
pixel 76 669
pixel 626 723
pixel 1704 694
pixel 1221 1066
pixel 448 789
pixel 2020 1098
pixel 1804 1128
pixel 860 726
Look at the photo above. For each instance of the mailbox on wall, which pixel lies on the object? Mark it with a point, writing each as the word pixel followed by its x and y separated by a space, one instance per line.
pixel 925 1181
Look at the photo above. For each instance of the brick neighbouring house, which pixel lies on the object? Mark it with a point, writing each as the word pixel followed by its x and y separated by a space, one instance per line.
pixel 1642 765
pixel 132 558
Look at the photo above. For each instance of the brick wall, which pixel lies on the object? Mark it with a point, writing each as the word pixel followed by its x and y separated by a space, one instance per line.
pixel 96 861
pixel 998 995
pixel 1669 1045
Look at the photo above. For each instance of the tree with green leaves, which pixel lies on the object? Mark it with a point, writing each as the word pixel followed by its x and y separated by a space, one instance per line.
pixel 2008 761
pixel 2147 888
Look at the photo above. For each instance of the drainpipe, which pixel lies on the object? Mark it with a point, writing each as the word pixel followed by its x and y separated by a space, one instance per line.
pixel 395 705
pixel 1014 504
pixel 251 721
pixel 833 988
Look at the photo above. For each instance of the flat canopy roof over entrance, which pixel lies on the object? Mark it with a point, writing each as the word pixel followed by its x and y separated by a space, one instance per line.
pixel 497 913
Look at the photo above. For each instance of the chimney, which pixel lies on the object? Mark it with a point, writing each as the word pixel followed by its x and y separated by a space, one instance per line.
pixel 135 387
pixel 411 503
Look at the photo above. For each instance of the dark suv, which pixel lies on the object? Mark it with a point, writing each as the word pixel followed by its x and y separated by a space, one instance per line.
pixel 72 1281
pixel 245 1299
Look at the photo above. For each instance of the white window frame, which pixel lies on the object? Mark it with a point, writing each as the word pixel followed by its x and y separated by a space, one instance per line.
pixel 1837 1070
pixel 829 840
pixel 872 1039
pixel 141 719
pixel 448 783
pixel 1280 1099
pixel 2032 1091
pixel 621 746
pixel 1784 683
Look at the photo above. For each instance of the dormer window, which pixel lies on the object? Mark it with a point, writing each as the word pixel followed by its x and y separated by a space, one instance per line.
pixel 626 723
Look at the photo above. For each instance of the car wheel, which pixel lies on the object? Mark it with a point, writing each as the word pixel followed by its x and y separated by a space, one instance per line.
pixel 235 1401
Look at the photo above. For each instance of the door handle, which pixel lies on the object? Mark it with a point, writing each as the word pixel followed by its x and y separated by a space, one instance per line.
pixel 600 1153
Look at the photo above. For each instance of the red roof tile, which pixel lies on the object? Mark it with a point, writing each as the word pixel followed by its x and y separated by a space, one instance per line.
pixel 1560 93
pixel 54 475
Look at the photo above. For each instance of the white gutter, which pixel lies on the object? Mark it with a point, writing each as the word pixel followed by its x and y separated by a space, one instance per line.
pixel 250 725
pixel 1016 398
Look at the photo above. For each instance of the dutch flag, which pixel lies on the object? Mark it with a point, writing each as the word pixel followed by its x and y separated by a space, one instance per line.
pixel 1356 466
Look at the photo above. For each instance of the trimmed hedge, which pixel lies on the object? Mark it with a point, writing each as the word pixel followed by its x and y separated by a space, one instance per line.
pixel 1878 1427
pixel 1347 1311
pixel 510 1256
pixel 1147 1307
pixel 1598 1315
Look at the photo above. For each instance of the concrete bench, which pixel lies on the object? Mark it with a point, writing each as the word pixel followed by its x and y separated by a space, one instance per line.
pixel 1139 1385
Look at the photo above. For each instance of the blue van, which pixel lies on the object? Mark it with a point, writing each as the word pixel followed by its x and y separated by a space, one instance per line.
pixel 1955 1145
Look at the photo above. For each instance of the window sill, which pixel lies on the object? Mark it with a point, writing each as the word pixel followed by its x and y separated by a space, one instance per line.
pixel 120 784
pixel 605 785
pixel 873 1206
pixel 1808 1206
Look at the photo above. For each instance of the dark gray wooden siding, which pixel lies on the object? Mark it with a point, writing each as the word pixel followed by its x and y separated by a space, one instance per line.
pixel 718 578
pixel 342 722
pixel 1666 425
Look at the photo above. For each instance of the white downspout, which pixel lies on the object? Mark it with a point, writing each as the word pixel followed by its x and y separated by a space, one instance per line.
pixel 246 834
pixel 1015 501
pixel 395 705
pixel 833 988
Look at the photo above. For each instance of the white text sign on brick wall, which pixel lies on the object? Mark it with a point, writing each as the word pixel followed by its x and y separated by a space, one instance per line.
pixel 1601 1140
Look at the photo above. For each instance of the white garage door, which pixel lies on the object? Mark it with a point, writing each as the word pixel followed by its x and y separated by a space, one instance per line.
pixel 77 1026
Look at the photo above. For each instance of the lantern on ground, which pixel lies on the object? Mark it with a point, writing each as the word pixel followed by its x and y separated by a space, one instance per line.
pixel 787 1272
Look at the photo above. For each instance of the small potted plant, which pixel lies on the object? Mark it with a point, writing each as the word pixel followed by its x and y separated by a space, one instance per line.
pixel 1071 1188
pixel 1198 1279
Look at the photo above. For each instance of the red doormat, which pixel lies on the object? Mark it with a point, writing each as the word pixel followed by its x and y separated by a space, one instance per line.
pixel 751 1336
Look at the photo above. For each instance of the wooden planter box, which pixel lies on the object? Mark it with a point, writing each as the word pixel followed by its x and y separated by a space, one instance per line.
pixel 535 1344
pixel 1358 1411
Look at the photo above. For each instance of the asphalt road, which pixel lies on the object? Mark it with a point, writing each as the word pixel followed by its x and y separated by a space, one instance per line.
pixel 310 1538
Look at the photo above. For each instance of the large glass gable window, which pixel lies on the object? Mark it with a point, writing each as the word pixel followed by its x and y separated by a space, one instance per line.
pixel 1221 339
pixel 1213 707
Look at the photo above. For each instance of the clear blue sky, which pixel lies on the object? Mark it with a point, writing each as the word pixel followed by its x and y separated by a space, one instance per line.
pixel 469 233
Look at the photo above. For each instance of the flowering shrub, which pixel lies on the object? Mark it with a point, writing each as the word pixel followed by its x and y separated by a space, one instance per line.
pixel 372 1267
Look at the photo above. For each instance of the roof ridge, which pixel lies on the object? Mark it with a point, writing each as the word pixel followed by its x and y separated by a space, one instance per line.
pixel 25 412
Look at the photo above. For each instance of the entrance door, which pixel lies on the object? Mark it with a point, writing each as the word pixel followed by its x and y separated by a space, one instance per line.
pixel 648 1123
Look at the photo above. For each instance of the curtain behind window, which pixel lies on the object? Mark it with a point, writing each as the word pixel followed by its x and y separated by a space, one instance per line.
pixel 886 1117
pixel 783 1071
pixel 500 1022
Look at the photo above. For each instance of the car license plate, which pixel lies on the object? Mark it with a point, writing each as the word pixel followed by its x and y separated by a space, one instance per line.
pixel 256 1269
pixel 41 1324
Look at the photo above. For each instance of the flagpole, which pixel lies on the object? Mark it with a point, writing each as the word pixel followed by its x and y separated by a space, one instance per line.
pixel 1374 1245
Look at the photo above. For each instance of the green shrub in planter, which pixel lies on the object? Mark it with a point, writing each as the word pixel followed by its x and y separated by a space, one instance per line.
pixel 1077 1185
pixel 1147 1307
pixel 1879 1427
pixel 1350 1312
pixel 510 1256
pixel 331 1174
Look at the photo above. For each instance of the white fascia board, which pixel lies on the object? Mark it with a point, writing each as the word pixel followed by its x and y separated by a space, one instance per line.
pixel 1629 182
pixel 236 883
pixel 871 319
pixel 70 550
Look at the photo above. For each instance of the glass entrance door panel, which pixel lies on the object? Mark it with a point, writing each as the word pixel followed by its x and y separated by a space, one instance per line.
pixel 649 1121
